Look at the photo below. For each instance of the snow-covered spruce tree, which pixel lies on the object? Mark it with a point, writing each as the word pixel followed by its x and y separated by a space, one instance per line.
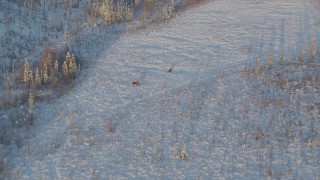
pixel 111 11
pixel 47 66
pixel 66 66
pixel 136 3
pixel 113 14
pixel 65 70
pixel 55 74
pixel 27 75
pixel 168 11
pixel 119 13
pixel 72 66
pixel 128 16
pixel 104 13
pixel 10 82
pixel 45 74
pixel 171 9
pixel 68 58
pixel 48 60
pixel 41 75
pixel 38 78
pixel 86 58
pixel 165 14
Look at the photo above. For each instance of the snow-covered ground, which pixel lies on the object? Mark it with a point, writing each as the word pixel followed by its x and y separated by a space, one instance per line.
pixel 106 128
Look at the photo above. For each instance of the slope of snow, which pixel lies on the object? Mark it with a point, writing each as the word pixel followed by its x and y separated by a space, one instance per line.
pixel 106 128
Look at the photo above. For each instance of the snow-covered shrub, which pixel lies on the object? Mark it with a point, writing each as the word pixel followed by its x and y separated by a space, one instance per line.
pixel 291 91
pixel 302 56
pixel 270 60
pixel 282 57
pixel 313 49
pixel 258 66
pixel 180 154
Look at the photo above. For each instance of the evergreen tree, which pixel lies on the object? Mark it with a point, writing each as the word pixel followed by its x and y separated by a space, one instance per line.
pixel 45 74
pixel 41 75
pixel 106 12
pixel 165 14
pixel 171 9
pixel 10 82
pixel 49 60
pixel 72 66
pixel 27 78
pixel 136 3
pixel 86 57
pixel 113 15
pixel 38 78
pixel 103 11
pixel 68 58
pixel 47 68
pixel 119 12
pixel 65 70
pixel 55 74
pixel 128 16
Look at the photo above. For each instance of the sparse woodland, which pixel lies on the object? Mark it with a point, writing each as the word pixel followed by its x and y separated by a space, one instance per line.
pixel 21 62
pixel 44 49
pixel 261 119
pixel 57 34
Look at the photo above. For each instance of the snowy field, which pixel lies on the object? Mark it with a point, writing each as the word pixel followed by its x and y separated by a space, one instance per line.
pixel 105 128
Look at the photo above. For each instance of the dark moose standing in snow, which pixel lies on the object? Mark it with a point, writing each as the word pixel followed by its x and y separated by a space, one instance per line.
pixel 135 83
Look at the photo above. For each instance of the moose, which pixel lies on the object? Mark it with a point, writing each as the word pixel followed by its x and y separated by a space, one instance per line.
pixel 135 83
